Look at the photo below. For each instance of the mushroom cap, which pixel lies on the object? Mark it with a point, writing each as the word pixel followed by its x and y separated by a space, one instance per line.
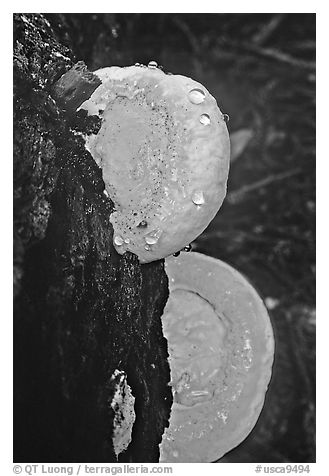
pixel 221 349
pixel 164 151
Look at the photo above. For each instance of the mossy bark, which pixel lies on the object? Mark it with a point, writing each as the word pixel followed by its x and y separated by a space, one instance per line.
pixel 80 310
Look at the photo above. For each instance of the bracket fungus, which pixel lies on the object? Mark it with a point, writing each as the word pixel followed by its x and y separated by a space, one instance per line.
pixel 122 405
pixel 221 348
pixel 163 147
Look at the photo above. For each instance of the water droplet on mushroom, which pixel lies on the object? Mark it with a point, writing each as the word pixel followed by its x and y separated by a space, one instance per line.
pixel 196 96
pixel 225 117
pixel 176 254
pixel 105 193
pixel 137 64
pixel 152 105
pixel 153 64
pixel 187 248
pixel 118 240
pixel 151 240
pixel 147 247
pixel 205 119
pixel 127 241
pixel 142 224
pixel 198 198
pixel 153 237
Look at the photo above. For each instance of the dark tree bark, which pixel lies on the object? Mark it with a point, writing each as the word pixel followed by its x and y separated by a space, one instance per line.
pixel 81 310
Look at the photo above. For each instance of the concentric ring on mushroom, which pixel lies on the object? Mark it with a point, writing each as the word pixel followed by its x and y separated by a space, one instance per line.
pixel 221 347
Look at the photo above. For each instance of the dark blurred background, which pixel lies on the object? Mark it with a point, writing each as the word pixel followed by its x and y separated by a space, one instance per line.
pixel 261 69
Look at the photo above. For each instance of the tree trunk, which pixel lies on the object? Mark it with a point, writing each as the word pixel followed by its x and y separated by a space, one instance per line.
pixel 81 311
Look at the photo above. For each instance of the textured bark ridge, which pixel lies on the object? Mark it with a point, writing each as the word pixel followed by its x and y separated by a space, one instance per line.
pixel 81 311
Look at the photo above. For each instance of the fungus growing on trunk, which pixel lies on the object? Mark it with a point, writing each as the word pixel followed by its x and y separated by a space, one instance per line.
pixel 122 405
pixel 221 346
pixel 164 152
pixel 163 148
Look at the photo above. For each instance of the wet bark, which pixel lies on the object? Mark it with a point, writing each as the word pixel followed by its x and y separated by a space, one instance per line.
pixel 80 310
